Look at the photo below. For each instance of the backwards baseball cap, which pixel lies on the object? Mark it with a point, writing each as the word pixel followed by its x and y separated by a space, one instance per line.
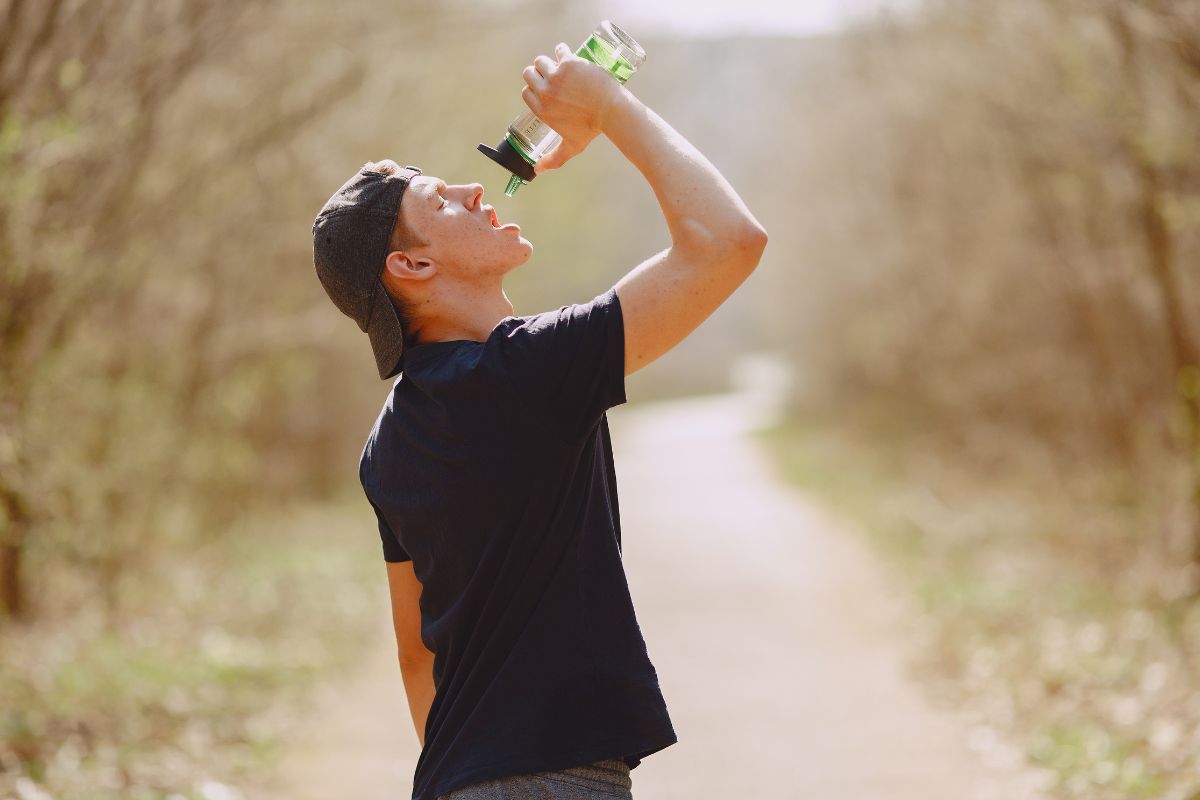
pixel 350 243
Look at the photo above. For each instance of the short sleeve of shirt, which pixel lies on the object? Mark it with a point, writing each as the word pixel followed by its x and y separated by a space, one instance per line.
pixel 393 551
pixel 569 364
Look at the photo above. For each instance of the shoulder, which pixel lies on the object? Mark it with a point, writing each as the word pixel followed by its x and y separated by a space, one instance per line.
pixel 369 455
pixel 573 319
pixel 566 364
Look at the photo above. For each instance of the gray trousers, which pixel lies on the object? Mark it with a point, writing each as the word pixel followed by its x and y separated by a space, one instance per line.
pixel 604 779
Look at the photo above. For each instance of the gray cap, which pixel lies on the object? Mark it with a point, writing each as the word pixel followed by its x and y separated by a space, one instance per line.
pixel 350 243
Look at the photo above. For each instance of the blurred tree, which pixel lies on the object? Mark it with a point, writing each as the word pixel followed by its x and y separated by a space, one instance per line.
pixel 58 62
pixel 91 167
pixel 168 360
pixel 1006 197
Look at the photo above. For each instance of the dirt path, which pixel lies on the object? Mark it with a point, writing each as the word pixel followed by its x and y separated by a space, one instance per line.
pixel 780 643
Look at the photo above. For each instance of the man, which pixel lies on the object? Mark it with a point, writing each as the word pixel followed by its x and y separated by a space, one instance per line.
pixel 490 466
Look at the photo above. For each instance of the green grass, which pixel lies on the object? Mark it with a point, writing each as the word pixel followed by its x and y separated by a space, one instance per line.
pixel 202 682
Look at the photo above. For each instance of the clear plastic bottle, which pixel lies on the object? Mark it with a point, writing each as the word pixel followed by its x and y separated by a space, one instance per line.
pixel 528 138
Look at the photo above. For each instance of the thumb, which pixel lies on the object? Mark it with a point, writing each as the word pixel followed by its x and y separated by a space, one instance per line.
pixel 559 155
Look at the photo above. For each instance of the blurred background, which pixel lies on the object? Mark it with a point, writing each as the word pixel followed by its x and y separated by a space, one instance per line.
pixel 982 287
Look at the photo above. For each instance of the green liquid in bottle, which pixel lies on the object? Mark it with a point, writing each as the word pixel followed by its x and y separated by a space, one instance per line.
pixel 530 137
pixel 599 53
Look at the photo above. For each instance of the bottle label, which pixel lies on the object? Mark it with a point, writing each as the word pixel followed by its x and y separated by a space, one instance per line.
pixel 532 129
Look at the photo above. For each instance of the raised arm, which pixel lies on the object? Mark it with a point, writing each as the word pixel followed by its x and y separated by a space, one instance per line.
pixel 715 241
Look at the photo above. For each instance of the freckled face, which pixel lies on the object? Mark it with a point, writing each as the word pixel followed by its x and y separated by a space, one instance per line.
pixel 463 233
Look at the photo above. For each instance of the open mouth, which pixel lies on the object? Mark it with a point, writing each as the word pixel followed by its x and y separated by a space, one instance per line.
pixel 495 220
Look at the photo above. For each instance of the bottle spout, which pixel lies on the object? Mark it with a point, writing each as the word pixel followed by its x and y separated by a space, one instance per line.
pixel 514 182
pixel 507 156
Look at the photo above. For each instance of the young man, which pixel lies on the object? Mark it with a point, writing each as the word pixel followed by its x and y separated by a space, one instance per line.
pixel 490 466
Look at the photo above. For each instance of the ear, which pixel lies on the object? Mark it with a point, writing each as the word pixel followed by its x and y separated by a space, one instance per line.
pixel 405 266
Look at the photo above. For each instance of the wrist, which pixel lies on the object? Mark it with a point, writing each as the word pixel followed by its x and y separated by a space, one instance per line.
pixel 615 109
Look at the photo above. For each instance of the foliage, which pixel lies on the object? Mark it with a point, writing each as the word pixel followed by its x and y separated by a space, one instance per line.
pixel 1045 623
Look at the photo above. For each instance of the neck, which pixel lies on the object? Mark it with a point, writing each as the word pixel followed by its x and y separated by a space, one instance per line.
pixel 467 312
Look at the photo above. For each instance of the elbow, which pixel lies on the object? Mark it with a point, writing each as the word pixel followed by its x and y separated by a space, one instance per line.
pixel 756 235
pixel 749 244
pixel 740 246
pixel 746 234
pixel 416 658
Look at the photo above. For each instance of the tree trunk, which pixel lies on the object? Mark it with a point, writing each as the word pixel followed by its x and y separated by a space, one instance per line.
pixel 1183 348
pixel 12 540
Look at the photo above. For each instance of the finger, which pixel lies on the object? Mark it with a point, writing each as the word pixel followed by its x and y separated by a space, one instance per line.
pixel 559 155
pixel 530 98
pixel 562 50
pixel 544 66
pixel 534 78
pixel 547 161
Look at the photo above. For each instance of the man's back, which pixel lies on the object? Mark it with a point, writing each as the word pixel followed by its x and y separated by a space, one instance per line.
pixel 491 468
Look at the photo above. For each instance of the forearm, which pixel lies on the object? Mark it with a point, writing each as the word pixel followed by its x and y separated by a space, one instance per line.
pixel 699 205
pixel 418 685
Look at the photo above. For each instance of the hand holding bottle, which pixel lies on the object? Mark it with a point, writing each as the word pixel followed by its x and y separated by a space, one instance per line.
pixel 575 99
pixel 572 96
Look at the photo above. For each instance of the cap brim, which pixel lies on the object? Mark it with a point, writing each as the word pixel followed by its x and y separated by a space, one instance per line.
pixel 387 337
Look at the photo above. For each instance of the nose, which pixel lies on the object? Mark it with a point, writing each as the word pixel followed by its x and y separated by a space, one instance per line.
pixel 474 195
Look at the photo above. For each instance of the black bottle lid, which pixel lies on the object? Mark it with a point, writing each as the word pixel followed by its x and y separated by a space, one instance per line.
pixel 507 156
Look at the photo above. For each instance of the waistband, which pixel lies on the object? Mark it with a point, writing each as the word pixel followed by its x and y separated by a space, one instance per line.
pixel 605 772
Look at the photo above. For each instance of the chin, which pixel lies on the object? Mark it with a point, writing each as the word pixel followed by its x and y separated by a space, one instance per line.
pixel 518 258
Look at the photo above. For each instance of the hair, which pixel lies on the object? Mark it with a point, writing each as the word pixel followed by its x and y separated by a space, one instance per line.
pixel 403 237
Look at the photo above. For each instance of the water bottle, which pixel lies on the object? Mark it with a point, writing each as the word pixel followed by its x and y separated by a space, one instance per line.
pixel 528 138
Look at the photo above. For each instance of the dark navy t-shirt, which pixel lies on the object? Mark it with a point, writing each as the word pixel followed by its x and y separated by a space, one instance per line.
pixel 490 466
